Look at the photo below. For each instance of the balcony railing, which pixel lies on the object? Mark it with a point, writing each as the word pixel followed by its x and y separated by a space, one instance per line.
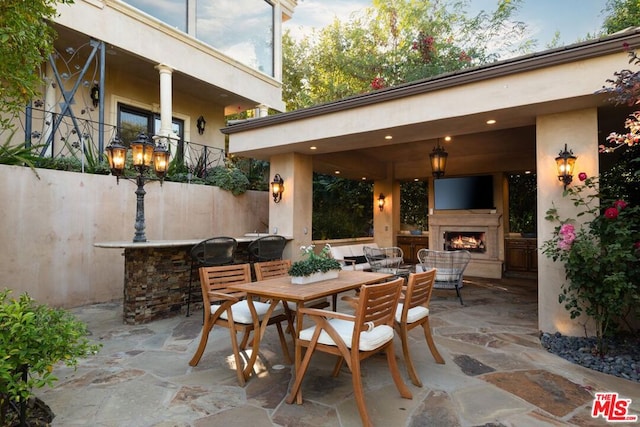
pixel 58 137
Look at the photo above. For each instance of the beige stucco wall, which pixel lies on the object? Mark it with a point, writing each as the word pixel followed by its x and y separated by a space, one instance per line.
pixel 579 130
pixel 49 227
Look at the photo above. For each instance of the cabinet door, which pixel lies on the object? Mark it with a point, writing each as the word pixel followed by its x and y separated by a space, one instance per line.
pixel 407 249
pixel 517 258
pixel 533 256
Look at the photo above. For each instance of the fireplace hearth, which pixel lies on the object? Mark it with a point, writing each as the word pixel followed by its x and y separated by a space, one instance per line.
pixel 478 232
pixel 471 241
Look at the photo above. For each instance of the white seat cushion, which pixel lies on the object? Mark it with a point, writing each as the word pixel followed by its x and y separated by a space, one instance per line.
pixel 369 340
pixel 414 314
pixel 242 314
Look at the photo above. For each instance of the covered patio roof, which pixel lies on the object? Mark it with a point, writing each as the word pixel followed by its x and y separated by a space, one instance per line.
pixel 349 134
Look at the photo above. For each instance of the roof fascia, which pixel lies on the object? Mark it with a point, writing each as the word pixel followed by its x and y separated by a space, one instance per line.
pixel 572 53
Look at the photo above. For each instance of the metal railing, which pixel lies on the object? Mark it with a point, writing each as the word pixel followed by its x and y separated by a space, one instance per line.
pixel 68 137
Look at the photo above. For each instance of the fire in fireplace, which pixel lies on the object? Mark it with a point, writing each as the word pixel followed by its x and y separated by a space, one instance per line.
pixel 471 241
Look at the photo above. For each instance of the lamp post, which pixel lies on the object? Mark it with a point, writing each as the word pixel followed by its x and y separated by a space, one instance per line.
pixel 145 154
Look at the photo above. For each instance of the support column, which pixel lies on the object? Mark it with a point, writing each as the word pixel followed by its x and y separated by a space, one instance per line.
pixel 579 130
pixel 386 223
pixel 292 216
pixel 166 100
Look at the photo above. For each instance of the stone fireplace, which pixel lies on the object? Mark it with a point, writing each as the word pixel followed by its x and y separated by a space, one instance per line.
pixel 479 233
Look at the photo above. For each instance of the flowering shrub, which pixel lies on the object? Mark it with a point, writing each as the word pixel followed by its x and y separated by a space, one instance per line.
pixel 600 256
pixel 314 263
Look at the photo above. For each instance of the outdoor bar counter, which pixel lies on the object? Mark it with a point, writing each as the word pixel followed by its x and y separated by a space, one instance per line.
pixel 156 276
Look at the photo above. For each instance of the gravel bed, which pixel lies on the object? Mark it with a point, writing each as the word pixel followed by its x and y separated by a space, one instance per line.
pixel 622 358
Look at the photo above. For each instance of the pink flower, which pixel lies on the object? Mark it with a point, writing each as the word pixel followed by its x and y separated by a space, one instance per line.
pixel 564 245
pixel 378 83
pixel 582 176
pixel 636 245
pixel 620 204
pixel 611 213
pixel 567 229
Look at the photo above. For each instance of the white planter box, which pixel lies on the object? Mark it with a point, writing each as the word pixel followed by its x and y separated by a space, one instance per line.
pixel 315 277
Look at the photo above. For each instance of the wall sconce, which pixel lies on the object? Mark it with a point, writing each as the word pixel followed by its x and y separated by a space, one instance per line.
pixel 565 163
pixel 95 95
pixel 277 188
pixel 381 202
pixel 200 124
pixel 145 154
pixel 438 159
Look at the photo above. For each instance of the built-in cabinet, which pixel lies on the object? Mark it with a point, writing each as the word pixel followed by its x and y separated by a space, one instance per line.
pixel 410 246
pixel 521 256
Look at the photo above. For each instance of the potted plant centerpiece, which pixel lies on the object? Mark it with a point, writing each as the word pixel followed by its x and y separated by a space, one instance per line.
pixel 315 267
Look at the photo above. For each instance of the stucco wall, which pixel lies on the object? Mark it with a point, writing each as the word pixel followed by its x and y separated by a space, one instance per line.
pixel 49 227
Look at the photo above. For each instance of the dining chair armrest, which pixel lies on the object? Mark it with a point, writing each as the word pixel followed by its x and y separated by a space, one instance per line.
pixel 326 313
pixel 217 296
pixel 351 300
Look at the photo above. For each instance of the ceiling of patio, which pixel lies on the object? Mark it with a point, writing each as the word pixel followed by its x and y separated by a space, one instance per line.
pixel 475 147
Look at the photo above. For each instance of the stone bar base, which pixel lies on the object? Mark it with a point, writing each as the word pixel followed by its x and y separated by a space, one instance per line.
pixel 157 283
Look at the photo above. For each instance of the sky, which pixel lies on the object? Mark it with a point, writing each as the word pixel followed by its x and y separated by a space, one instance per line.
pixel 573 18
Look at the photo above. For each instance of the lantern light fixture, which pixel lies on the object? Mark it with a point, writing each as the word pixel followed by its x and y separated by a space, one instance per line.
pixel 200 124
pixel 565 163
pixel 381 202
pixel 277 188
pixel 145 154
pixel 438 159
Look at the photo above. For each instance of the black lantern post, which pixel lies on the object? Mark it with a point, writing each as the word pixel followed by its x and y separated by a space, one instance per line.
pixel 145 154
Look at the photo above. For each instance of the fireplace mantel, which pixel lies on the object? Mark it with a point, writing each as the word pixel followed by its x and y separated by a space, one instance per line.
pixel 487 264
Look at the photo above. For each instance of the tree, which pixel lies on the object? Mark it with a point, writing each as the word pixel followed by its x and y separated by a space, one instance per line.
pixel 395 42
pixel 621 14
pixel 26 40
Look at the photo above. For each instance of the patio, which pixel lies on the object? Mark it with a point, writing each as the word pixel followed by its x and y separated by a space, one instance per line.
pixel 496 372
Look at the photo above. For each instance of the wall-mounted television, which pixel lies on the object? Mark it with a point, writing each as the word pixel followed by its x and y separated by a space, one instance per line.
pixel 468 192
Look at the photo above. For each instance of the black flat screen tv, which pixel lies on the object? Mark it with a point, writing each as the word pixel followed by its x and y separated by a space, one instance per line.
pixel 468 192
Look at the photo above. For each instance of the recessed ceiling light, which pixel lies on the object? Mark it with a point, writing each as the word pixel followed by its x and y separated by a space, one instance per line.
pixel 416 179
pixel 447 138
pixel 337 172
pixel 491 122
pixel 388 137
pixel 313 147
pixel 364 178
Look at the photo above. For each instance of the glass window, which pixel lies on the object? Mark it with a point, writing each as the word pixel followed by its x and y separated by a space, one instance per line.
pixel 132 121
pixel 241 29
pixel 172 12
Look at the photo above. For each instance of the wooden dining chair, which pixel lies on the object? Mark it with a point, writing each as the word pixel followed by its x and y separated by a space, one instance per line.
pixel 279 268
pixel 230 309
pixel 353 338
pixel 413 311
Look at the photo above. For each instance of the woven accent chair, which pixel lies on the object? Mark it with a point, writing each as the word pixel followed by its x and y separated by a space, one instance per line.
pixel 412 312
pixel 450 266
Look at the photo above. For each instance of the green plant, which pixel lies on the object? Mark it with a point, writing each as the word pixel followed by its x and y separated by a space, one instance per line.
pixel 600 256
pixel 228 178
pixel 314 263
pixel 18 155
pixel 33 338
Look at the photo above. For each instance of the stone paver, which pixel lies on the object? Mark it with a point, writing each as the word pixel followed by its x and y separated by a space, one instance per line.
pixel 496 373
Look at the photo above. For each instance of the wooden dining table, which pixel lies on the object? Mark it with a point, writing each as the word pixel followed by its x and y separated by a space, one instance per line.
pixel 281 289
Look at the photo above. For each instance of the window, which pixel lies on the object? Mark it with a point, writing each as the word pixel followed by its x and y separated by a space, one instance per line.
pixel 172 12
pixel 132 121
pixel 241 29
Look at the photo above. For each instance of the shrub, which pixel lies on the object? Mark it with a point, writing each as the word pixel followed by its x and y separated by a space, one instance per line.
pixel 33 338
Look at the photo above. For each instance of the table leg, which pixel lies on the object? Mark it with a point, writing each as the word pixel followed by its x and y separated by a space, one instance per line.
pixel 259 329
